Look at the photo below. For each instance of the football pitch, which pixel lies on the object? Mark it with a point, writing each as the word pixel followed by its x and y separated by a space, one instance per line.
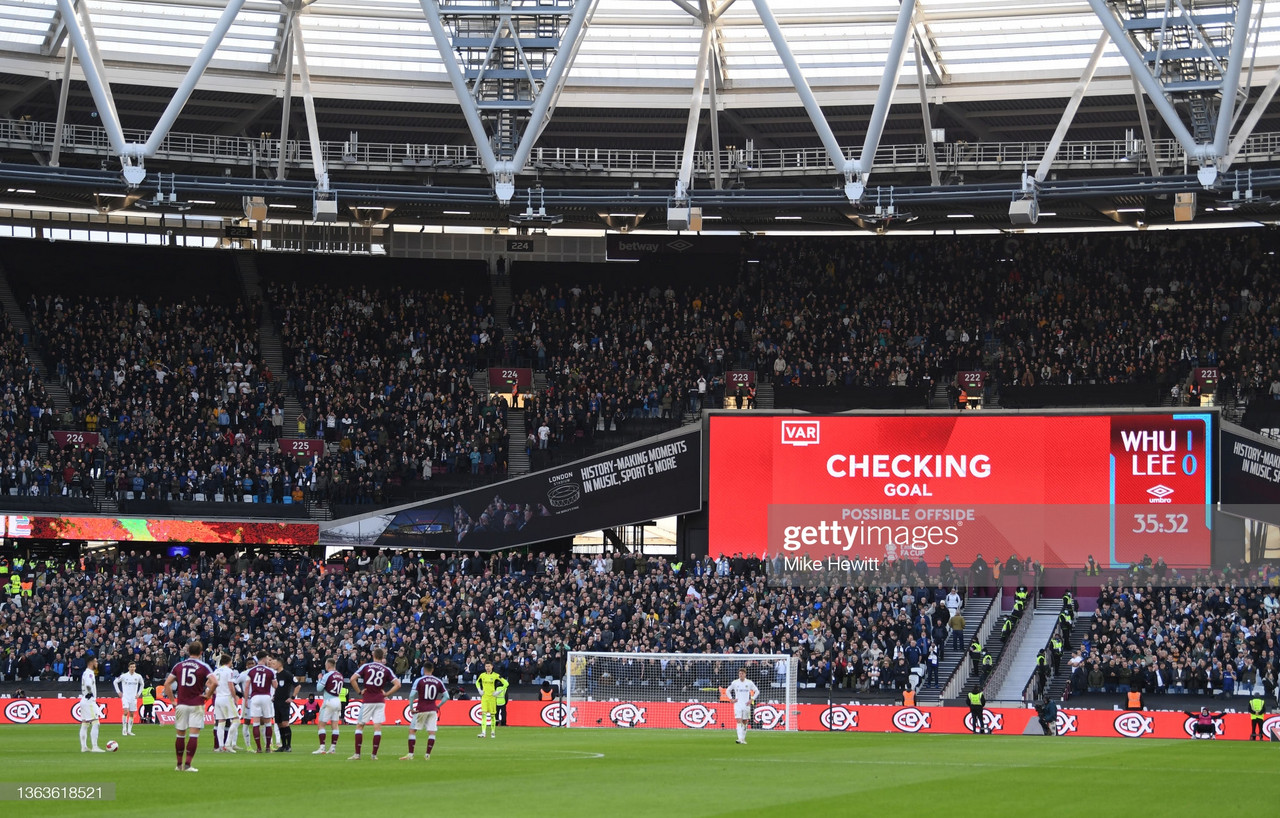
pixel 669 773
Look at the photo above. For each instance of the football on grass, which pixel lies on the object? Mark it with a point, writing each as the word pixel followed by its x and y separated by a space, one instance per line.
pixel 112 746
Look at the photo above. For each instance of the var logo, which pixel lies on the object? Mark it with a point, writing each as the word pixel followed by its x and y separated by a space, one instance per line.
pixel 1064 724
pixel 627 715
pixel 769 717
pixel 557 714
pixel 697 716
pixel 911 720
pixel 21 711
pixel 1133 725
pixel 800 432
pixel 840 718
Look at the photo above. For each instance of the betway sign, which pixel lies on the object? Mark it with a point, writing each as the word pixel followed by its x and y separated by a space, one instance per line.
pixel 632 247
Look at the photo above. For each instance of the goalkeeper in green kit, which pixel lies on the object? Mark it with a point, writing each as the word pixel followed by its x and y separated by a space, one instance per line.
pixel 489 683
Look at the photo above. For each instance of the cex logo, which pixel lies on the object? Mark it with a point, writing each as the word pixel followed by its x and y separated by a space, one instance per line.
pixel 768 717
pixel 21 711
pixel 911 720
pixel 557 714
pixel 800 432
pixel 991 722
pixel 627 715
pixel 1133 725
pixel 839 718
pixel 1189 726
pixel 697 716
pixel 1065 724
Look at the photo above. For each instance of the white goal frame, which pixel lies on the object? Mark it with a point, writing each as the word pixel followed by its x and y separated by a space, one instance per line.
pixel 608 689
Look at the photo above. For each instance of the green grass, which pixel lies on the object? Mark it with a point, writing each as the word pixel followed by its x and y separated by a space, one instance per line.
pixel 669 773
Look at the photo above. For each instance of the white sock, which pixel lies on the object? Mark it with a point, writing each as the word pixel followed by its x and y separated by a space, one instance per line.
pixel 231 735
pixel 221 733
pixel 93 734
pixel 84 735
pixel 742 733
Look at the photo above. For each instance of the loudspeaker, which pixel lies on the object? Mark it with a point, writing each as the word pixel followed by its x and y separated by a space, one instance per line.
pixel 1184 207
pixel 1024 211
pixel 325 210
pixel 255 207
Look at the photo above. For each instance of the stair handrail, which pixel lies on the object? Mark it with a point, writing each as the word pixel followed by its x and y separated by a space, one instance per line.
pixel 960 676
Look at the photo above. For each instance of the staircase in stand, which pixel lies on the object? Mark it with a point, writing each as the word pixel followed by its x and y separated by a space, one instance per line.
pixel 271 349
pixel 58 394
pixel 764 395
pixel 974 609
pixel 517 456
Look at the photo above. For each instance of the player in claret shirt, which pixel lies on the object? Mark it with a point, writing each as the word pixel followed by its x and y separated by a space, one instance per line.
pixel 259 685
pixel 427 694
pixel 330 686
pixel 195 684
pixel 371 682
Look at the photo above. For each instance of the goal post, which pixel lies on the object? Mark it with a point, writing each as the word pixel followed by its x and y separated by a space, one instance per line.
pixel 676 690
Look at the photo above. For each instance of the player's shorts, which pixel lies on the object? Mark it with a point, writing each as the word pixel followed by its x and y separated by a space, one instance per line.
pixel 188 716
pixel 284 713
pixel 330 712
pixel 128 705
pixel 488 704
pixel 425 721
pixel 261 707
pixel 741 711
pixel 224 709
pixel 373 713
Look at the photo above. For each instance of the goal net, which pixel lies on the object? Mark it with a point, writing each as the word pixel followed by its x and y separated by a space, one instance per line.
pixel 677 690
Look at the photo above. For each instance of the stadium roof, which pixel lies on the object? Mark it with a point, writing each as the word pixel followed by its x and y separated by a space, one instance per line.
pixel 995 73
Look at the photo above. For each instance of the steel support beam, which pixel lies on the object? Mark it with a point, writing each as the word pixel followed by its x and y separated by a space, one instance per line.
pixel 309 103
pixel 286 109
pixel 801 85
pixel 925 118
pixel 695 113
pixel 1251 121
pixel 550 91
pixel 82 39
pixel 470 111
pixel 1179 130
pixel 1073 105
pixel 721 9
pixel 537 127
pixel 884 96
pixel 1147 139
pixel 717 174
pixel 55 156
pixel 1231 80
pixel 689 9
pixel 192 77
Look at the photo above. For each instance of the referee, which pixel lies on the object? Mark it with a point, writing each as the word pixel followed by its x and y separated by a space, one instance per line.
pixel 285 693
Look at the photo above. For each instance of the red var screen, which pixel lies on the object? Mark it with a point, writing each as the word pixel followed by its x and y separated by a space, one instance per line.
pixel 1055 488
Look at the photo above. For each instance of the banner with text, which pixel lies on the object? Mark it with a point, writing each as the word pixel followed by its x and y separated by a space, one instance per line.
pixel 137 529
pixel 85 440
pixel 840 718
pixel 1250 476
pixel 659 477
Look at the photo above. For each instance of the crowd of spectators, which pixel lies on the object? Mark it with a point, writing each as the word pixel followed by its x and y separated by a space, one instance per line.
pixel 26 414
pixel 521 612
pixel 1201 635
pixel 387 377
pixel 383 370
pixel 176 391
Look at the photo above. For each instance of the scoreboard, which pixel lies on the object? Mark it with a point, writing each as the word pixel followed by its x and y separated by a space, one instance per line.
pixel 1057 488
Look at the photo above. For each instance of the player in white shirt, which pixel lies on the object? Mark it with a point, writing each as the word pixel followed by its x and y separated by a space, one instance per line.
pixel 225 712
pixel 128 686
pixel 742 692
pixel 89 708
